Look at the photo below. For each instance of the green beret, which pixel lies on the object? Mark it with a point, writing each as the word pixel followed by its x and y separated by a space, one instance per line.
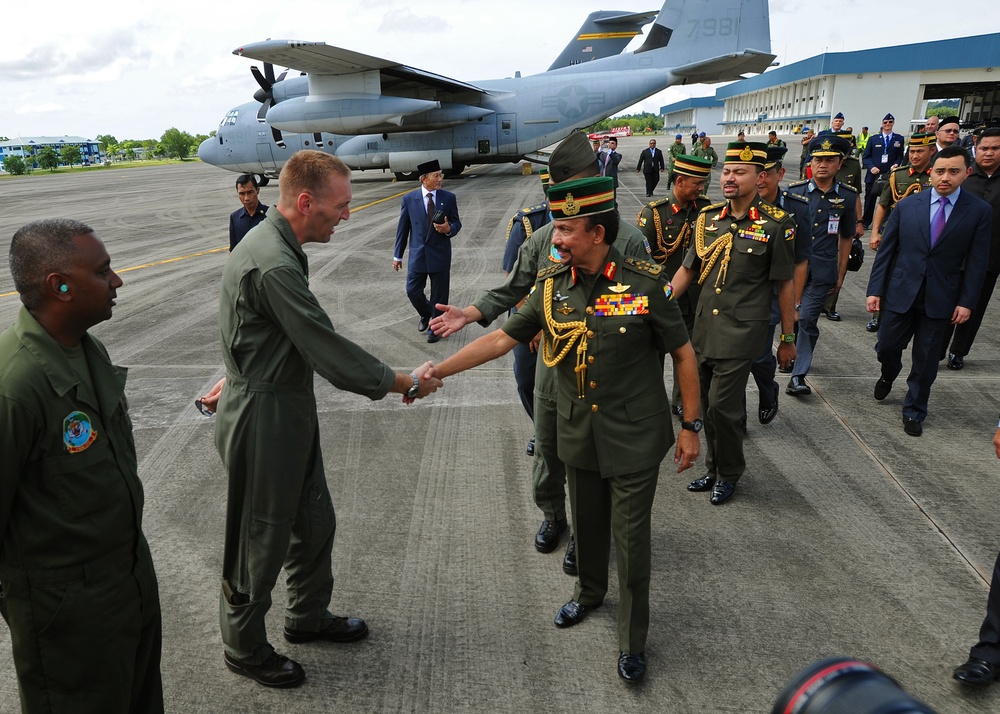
pixel 582 197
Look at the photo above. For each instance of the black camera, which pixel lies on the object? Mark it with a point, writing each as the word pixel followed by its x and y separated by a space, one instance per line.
pixel 841 685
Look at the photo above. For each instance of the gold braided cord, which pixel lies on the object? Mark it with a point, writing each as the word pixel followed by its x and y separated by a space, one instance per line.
pixel 913 188
pixel 722 244
pixel 528 230
pixel 564 332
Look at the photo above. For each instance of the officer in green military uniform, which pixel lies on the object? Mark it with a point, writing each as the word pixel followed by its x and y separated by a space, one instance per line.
pixel 606 319
pixel 78 589
pixel 667 224
pixel 572 159
pixel 906 180
pixel 676 149
pixel 741 248
pixel 274 336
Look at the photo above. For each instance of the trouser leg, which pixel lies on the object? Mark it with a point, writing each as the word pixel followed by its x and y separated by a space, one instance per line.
pixel 308 564
pixel 965 333
pixel 894 333
pixel 988 647
pixel 813 297
pixel 415 285
pixel 928 336
pixel 723 385
pixel 631 507
pixel 440 290
pixel 525 364
pixel 590 504
pixel 548 473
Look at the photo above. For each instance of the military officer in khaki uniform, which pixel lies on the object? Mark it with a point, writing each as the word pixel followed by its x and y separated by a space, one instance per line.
pixel 275 335
pixel 741 248
pixel 572 159
pixel 667 225
pixel 906 180
pixel 606 321
pixel 79 592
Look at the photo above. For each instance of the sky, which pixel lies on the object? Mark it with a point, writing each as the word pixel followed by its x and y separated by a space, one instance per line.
pixel 136 73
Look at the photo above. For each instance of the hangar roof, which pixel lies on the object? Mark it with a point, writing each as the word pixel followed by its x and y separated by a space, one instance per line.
pixel 959 53
pixel 692 103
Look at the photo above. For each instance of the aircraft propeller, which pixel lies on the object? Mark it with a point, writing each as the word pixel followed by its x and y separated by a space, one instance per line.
pixel 265 95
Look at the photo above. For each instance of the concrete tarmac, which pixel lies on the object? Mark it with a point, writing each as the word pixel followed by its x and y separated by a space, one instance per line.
pixel 845 537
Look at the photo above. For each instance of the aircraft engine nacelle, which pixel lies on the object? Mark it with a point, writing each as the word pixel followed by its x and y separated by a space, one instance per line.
pixel 343 114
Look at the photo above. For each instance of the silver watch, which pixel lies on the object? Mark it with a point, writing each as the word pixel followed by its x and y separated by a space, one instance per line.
pixel 412 393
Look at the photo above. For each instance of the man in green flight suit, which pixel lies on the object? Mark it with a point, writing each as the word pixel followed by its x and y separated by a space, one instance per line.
pixel 740 248
pixel 606 321
pixel 274 336
pixel 667 225
pixel 572 159
pixel 79 592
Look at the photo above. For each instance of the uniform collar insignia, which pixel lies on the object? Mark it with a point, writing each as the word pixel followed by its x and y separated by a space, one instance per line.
pixel 610 269
pixel 675 208
pixel 754 213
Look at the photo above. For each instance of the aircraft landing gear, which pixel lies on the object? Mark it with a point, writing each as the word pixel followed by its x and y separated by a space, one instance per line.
pixel 261 179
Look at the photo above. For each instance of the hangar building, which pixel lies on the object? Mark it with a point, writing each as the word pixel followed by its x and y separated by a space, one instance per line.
pixel 864 85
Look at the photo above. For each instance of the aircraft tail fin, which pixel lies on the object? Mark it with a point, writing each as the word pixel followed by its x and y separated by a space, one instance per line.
pixel 692 32
pixel 603 34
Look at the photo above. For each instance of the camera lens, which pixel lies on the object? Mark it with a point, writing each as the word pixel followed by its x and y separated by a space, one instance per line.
pixel 841 685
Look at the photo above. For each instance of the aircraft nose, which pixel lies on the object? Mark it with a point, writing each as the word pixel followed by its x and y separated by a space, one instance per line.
pixel 210 150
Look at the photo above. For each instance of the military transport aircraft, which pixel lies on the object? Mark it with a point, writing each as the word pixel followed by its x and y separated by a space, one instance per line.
pixel 378 114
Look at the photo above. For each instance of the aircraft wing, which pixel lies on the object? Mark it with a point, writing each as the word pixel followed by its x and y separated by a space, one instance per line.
pixel 725 68
pixel 319 58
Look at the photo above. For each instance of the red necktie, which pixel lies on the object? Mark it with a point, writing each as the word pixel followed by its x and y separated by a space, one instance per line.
pixel 937 225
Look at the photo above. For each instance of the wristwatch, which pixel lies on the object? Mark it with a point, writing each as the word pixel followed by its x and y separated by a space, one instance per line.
pixel 788 337
pixel 412 392
pixel 694 426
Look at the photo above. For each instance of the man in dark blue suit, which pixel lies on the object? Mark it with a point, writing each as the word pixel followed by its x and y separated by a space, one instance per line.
pixel 428 219
pixel 884 152
pixel 927 275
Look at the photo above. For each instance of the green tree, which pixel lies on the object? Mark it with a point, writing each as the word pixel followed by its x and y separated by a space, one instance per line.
pixel 177 143
pixel 14 165
pixel 71 155
pixel 48 158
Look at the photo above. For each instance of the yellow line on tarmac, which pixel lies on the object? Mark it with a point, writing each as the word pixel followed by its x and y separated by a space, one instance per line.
pixel 219 250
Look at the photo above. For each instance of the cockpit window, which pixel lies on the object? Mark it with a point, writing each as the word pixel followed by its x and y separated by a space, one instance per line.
pixel 230 118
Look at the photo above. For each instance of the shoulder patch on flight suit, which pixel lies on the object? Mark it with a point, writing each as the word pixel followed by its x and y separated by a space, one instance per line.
pixel 644 266
pixel 773 211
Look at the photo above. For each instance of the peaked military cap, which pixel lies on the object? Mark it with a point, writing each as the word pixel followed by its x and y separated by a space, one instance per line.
pixel 839 115
pixel 582 197
pixel 692 166
pixel 744 152
pixel 574 155
pixel 829 145
pixel 888 117
pixel 775 155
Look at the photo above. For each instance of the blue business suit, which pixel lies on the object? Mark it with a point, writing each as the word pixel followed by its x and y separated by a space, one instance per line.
pixel 925 285
pixel 883 155
pixel 430 251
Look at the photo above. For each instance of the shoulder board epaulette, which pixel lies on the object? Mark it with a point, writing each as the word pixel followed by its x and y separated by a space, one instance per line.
pixel 534 209
pixel 551 270
pixel 795 197
pixel 773 211
pixel 658 202
pixel 803 182
pixel 849 187
pixel 713 206
pixel 644 266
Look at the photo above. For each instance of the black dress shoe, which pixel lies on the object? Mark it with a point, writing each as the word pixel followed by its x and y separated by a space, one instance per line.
pixel 530 451
pixel 422 325
pixel 833 315
pixel 912 426
pixel 548 534
pixel 767 410
pixel 976 673
pixel 956 362
pixel 872 325
pixel 797 387
pixel 572 613
pixel 882 388
pixel 722 491
pixel 631 667
pixel 335 629
pixel 431 337
pixel 702 484
pixel 678 411
pixel 569 560
pixel 276 671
